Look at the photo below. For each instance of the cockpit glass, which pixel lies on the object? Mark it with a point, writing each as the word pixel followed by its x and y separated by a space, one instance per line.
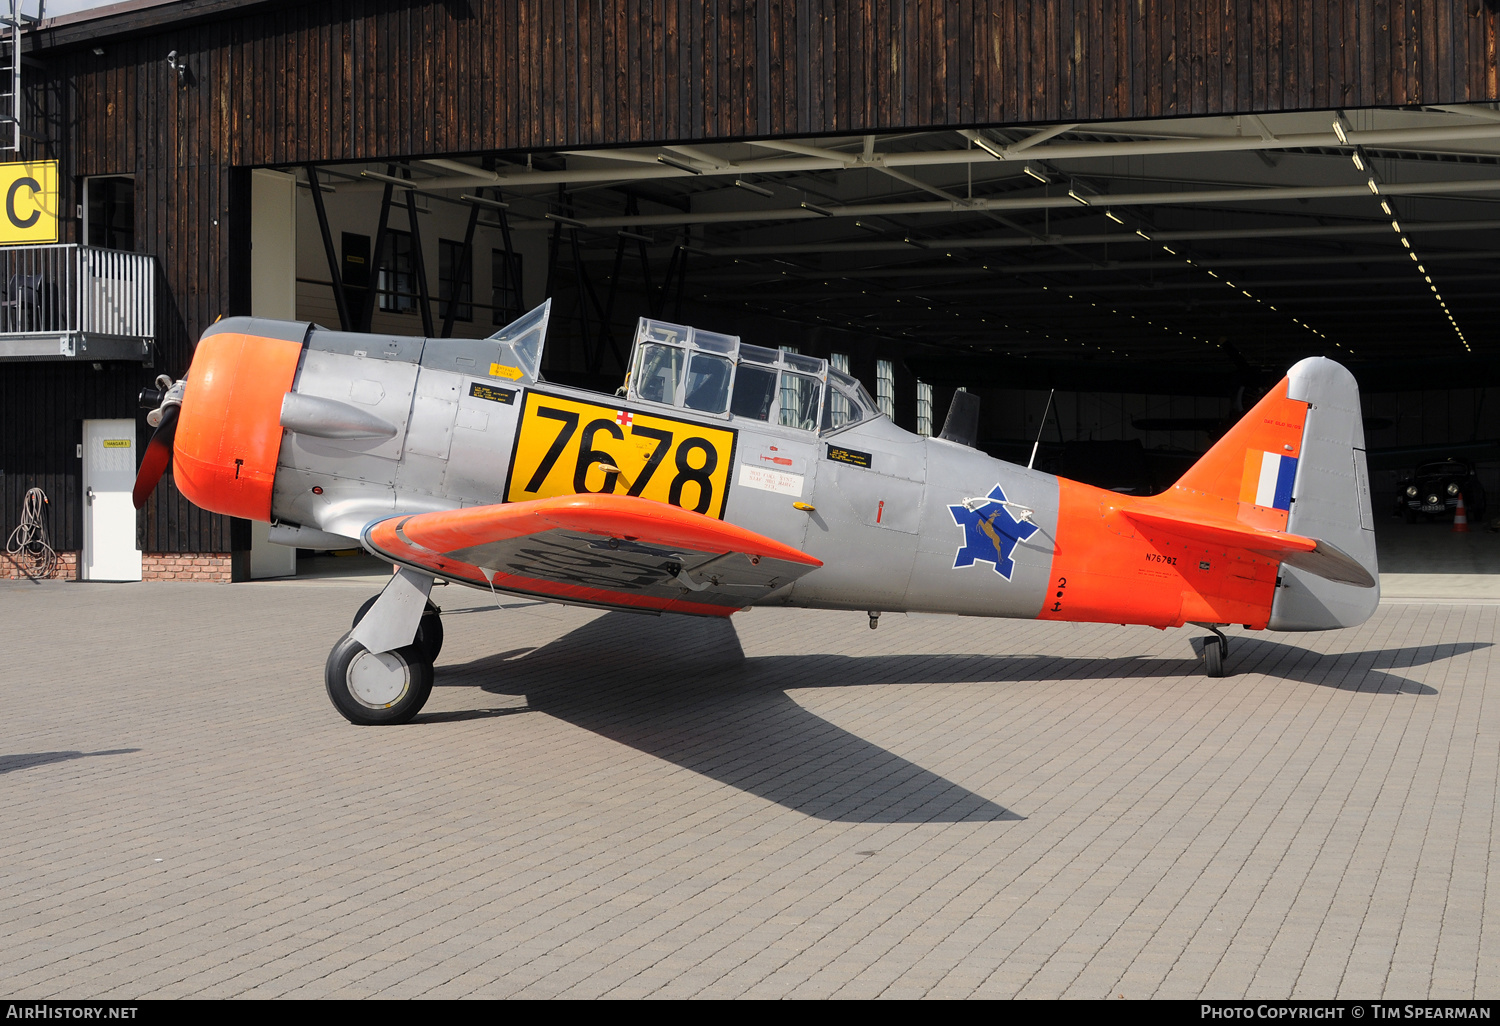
pixel 526 336
pixel 848 402
pixel 754 391
pixel 659 372
pixel 714 342
pixel 708 382
pixel 756 354
pixel 799 400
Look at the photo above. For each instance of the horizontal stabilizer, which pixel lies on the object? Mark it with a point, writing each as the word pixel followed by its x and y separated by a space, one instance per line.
pixel 1316 557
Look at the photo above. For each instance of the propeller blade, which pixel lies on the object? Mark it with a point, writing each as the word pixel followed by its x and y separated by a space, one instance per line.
pixel 158 457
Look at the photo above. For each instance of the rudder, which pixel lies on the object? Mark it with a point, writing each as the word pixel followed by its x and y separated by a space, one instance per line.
pixel 1332 493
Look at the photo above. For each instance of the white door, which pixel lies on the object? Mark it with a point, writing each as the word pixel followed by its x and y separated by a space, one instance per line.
pixel 273 293
pixel 109 459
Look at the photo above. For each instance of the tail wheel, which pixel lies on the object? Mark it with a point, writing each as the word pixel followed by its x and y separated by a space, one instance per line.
pixel 372 689
pixel 429 629
pixel 1213 657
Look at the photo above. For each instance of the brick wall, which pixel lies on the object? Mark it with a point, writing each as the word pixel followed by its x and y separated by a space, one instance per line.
pixel 155 566
pixel 66 569
pixel 185 566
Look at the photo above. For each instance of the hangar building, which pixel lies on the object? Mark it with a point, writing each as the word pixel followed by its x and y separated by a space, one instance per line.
pixel 1149 207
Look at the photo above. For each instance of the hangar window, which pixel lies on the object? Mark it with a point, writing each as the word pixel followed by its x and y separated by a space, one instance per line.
pixel 924 409
pixel 455 279
pixel 885 387
pixel 398 286
pixel 505 285
pixel 109 212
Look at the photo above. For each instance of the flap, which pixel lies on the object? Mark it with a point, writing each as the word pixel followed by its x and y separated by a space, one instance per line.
pixel 1310 554
pixel 615 551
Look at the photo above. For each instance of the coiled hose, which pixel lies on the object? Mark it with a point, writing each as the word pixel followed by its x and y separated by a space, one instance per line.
pixel 29 547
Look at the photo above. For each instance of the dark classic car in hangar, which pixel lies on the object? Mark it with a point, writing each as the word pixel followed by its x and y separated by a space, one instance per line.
pixel 1434 488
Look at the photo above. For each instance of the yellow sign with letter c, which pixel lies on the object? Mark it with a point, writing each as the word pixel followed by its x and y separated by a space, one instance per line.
pixel 28 202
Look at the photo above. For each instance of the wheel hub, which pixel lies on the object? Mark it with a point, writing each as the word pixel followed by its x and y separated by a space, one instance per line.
pixel 378 681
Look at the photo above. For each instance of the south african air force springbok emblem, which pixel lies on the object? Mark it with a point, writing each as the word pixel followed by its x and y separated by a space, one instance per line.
pixel 991 533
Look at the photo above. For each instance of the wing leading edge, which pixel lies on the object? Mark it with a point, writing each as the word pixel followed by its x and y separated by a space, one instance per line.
pixel 612 551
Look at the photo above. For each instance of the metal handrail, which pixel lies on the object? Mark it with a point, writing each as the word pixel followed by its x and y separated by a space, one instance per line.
pixel 70 289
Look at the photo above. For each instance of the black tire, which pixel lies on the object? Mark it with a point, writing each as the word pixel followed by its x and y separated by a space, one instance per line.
pixel 429 629
pixel 1213 657
pixel 374 702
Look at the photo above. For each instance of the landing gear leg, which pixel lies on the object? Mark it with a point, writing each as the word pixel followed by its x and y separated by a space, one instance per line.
pixel 874 620
pixel 429 629
pixel 381 670
pixel 1215 650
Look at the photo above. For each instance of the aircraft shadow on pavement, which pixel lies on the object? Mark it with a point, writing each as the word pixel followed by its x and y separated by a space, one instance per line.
pixel 682 689
pixel 1364 671
pixel 10 763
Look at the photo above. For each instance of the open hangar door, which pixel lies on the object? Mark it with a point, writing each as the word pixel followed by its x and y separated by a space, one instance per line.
pixel 1159 275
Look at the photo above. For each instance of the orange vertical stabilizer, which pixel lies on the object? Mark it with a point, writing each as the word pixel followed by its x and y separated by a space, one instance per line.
pixel 1206 550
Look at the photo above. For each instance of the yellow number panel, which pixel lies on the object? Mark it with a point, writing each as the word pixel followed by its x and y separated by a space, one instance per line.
pixel 565 446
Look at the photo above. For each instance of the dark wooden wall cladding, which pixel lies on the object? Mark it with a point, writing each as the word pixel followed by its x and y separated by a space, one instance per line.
pixel 351 80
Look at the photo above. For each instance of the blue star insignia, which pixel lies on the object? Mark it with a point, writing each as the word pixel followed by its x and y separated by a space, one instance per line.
pixel 990 534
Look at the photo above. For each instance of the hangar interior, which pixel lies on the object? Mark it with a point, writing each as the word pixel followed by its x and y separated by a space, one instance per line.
pixel 1119 290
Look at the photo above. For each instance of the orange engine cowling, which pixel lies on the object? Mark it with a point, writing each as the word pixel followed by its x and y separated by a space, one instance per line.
pixel 229 430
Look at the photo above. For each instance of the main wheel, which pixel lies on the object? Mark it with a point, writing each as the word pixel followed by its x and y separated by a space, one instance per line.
pixel 371 689
pixel 429 629
pixel 1213 657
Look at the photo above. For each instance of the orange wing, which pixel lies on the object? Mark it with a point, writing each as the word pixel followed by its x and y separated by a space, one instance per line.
pixel 613 551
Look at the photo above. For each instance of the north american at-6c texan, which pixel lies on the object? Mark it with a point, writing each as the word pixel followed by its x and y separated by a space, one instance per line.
pixel 725 475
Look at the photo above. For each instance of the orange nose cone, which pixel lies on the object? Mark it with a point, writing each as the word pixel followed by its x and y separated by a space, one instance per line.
pixel 229 431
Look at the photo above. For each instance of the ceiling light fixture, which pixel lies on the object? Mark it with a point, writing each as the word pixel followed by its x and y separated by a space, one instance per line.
pixel 814 208
pixel 1340 129
pixel 1113 217
pixel 481 201
pixel 752 187
pixel 571 222
pixel 681 165
pixel 987 146
pixel 1034 173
